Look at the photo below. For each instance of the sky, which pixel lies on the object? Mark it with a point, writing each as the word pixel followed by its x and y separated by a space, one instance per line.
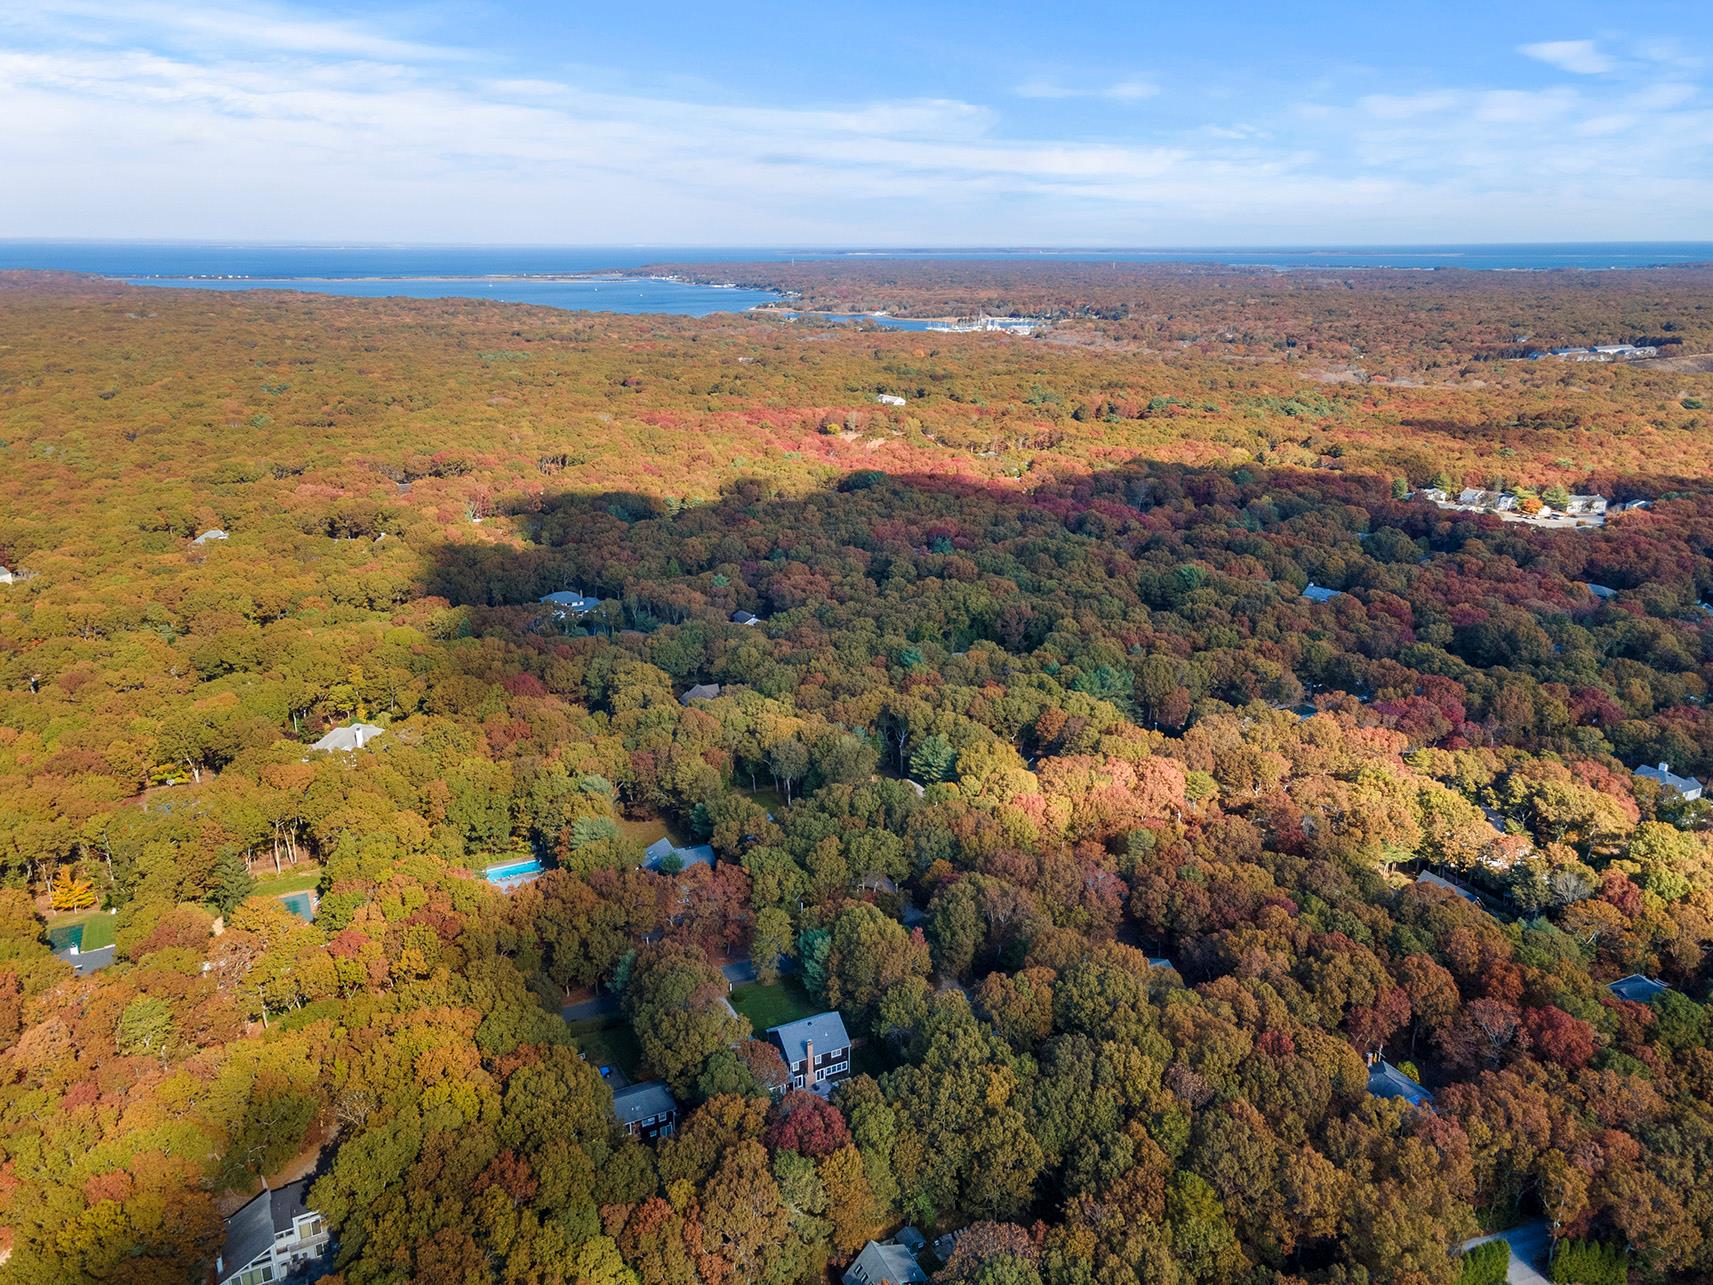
pixel 565 122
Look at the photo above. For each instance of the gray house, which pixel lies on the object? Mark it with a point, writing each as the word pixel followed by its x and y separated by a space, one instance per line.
pixel 1688 786
pixel 888 1264
pixel 1638 989
pixel 213 533
pixel 568 602
pixel 271 1237
pixel 700 692
pixel 816 1049
pixel 1387 1081
pixel 1431 880
pixel 655 854
pixel 1320 593
pixel 647 1110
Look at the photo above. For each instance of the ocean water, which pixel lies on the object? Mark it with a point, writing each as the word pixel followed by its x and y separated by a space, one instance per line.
pixel 569 277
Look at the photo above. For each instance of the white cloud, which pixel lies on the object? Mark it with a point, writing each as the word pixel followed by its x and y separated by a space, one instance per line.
pixel 1131 90
pixel 1583 57
pixel 336 131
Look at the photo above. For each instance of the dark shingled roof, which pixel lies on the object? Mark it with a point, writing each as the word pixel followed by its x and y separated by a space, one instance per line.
pixel 250 1231
pixel 826 1030
pixel 640 1101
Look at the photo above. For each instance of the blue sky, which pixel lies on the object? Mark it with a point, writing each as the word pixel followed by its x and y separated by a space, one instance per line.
pixel 946 124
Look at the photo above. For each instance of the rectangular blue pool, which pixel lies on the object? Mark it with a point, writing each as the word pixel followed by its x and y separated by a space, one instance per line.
pixel 510 874
pixel 299 904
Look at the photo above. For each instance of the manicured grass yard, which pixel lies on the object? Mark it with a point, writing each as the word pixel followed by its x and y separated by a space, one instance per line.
pixel 97 927
pixel 275 885
pixel 767 1006
pixel 607 1041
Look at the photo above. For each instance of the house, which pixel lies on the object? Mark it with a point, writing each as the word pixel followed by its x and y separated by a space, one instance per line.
pixel 1497 501
pixel 1387 1081
pixel 745 618
pixel 1430 880
pixel 213 533
pixel 1599 590
pixel 354 737
pixel 271 1237
pixel 1320 593
pixel 1585 506
pixel 8 576
pixel 1434 495
pixel 1666 779
pixel 889 399
pixel 700 692
pixel 816 1049
pixel 647 1110
pixel 85 962
pixel 657 852
pixel 568 602
pixel 1630 506
pixel 888 1264
pixel 1638 989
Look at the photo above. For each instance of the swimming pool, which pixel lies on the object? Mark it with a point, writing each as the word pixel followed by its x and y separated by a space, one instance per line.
pixel 299 904
pixel 509 874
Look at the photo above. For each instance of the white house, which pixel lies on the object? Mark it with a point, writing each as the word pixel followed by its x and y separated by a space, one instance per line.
pixel 353 737
pixel 889 399
pixel 271 1237
pixel 213 533
pixel 1666 779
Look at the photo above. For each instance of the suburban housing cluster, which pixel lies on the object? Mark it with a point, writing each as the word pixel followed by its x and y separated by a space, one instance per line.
pixel 1571 510
pixel 1600 352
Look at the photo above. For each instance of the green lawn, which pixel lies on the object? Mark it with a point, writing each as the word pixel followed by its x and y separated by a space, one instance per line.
pixel 607 1041
pixel 97 927
pixel 276 885
pixel 768 1006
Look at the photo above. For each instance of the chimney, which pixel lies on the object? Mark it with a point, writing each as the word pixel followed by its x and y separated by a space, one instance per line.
pixel 808 1063
pixel 1664 766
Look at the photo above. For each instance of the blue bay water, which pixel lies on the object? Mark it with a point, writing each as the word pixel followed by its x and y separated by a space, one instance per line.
pixel 557 276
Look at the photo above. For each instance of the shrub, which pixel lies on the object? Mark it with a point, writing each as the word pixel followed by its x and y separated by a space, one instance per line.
pixel 1588 1262
pixel 1486 1264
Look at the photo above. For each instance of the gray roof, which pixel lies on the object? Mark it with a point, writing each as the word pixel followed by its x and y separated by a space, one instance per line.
pixel 826 1031
pixel 87 961
pixel 213 533
pixel 1663 774
pixel 701 854
pixel 745 618
pixel 640 1101
pixel 352 737
pixel 884 1265
pixel 1320 593
pixel 1638 989
pixel 250 1231
pixel 1387 1081
pixel 571 600
pixel 1434 881
pixel 700 692
pixel 1600 590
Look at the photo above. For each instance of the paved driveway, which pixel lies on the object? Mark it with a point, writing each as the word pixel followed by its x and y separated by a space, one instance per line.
pixel 1530 1246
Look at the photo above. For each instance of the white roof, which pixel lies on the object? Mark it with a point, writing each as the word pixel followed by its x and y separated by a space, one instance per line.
pixel 353 737
pixel 213 533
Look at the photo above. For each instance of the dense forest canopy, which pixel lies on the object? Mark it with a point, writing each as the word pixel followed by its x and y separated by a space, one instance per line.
pixel 1037 765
